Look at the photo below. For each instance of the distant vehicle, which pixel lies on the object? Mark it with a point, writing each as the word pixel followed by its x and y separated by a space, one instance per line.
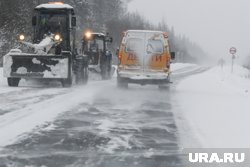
pixel 144 58
pixel 95 47
pixel 53 54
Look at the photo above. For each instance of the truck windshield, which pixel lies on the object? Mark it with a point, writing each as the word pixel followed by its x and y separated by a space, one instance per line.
pixel 52 23
pixel 95 45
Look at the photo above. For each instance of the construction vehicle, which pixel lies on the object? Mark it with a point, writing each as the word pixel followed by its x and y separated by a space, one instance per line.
pixel 95 47
pixel 52 55
pixel 144 58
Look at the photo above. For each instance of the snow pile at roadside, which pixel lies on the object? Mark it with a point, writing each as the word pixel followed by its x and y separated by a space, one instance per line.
pixel 178 66
pixel 183 68
pixel 2 80
pixel 216 104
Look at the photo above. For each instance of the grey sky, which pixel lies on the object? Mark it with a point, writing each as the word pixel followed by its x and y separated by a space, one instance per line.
pixel 214 24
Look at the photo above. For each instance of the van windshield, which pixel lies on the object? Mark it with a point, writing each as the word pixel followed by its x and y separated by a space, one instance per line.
pixel 155 47
pixel 134 45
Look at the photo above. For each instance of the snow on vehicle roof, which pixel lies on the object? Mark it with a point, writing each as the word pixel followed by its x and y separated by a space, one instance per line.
pixel 98 33
pixel 54 6
pixel 144 31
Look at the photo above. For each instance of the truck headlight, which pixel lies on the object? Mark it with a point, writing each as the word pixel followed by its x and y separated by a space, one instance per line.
pixel 21 37
pixel 57 37
pixel 88 35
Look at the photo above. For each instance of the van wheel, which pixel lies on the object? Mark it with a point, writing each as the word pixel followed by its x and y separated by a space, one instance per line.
pixel 164 87
pixel 13 82
pixel 122 83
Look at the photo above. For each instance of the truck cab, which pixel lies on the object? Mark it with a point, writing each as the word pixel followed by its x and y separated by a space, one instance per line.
pixel 95 47
pixel 55 18
pixel 144 58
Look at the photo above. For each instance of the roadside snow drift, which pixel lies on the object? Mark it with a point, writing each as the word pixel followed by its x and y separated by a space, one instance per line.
pixel 216 104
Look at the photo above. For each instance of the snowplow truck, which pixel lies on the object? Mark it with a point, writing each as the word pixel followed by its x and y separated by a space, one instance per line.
pixel 95 48
pixel 52 54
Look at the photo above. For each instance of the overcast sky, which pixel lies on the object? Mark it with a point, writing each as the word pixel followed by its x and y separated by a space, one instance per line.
pixel 216 25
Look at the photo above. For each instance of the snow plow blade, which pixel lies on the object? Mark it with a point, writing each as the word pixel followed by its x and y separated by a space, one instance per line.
pixel 23 65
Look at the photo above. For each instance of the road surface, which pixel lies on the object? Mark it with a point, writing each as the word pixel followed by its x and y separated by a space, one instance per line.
pixel 97 125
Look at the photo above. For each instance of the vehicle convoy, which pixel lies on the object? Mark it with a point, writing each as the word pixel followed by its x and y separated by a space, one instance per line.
pixel 95 47
pixel 53 54
pixel 144 58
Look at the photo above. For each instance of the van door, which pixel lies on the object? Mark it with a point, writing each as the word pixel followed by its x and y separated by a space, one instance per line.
pixel 156 57
pixel 132 57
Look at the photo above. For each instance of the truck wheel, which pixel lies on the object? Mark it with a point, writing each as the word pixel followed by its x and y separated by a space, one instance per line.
pixel 13 82
pixel 66 83
pixel 104 73
pixel 85 75
pixel 106 70
pixel 110 72
pixel 81 71
pixel 122 83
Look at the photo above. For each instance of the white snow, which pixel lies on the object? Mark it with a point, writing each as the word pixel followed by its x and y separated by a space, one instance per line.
pixel 180 66
pixel 15 124
pixel 44 46
pixel 54 6
pixel 216 105
pixel 21 70
pixel 7 61
pixel 27 112
pixel 35 61
pixel 59 70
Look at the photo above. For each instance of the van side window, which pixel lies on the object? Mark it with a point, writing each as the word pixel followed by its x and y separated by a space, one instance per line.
pixel 134 44
pixel 155 47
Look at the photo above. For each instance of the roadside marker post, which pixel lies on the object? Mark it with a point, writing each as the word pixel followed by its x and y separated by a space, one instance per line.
pixel 233 51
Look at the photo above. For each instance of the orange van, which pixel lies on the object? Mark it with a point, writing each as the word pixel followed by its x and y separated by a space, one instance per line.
pixel 144 58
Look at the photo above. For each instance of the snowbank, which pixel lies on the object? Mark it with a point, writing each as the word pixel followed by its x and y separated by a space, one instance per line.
pixel 2 80
pixel 216 104
pixel 178 66
pixel 183 68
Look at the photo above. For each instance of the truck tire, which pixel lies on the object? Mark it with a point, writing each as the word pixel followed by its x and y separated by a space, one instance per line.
pixel 13 82
pixel 82 76
pixel 85 75
pixel 122 83
pixel 104 71
pixel 66 83
pixel 81 70
pixel 106 67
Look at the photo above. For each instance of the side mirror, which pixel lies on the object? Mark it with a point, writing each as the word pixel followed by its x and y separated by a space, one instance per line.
pixel 108 39
pixel 73 21
pixel 172 55
pixel 34 21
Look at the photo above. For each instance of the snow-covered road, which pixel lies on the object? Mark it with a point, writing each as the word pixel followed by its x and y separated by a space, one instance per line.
pixel 93 125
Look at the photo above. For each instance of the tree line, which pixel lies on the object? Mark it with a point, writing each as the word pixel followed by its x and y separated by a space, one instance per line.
pixel 109 16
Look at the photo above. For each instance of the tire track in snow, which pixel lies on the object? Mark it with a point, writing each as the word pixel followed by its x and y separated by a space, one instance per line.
pixel 23 120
